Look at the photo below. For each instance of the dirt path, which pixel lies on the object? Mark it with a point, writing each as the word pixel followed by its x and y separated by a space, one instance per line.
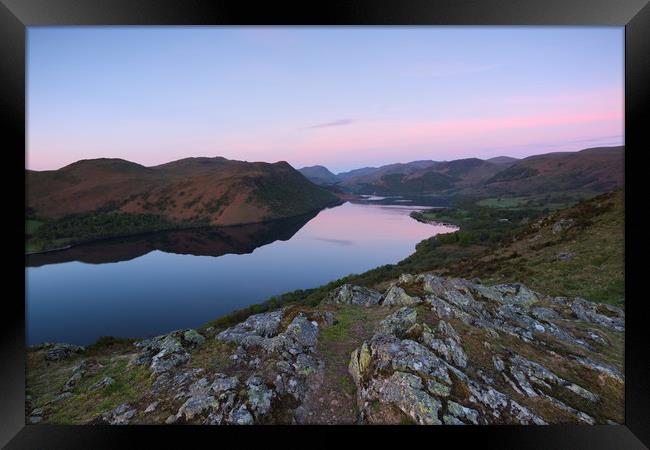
pixel 332 400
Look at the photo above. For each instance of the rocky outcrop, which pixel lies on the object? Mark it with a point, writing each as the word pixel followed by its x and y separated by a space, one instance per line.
pixel 352 295
pixel 271 371
pixel 487 354
pixel 396 296
pixel 120 415
pixel 428 350
pixel 167 351
pixel 59 351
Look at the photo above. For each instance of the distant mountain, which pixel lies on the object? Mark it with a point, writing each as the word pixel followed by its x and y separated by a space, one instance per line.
pixel 210 191
pixel 343 176
pixel 319 175
pixel 503 160
pixel 593 170
pixel 421 177
pixel 598 169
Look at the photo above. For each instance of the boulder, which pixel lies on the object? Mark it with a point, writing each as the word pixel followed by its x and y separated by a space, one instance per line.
pixel 253 331
pixel 103 383
pixel 57 352
pixel 193 337
pixel 396 296
pixel 352 295
pixel 406 392
pixel 399 322
pixel 120 415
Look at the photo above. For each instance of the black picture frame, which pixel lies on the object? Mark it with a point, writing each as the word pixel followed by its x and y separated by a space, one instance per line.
pixel 16 15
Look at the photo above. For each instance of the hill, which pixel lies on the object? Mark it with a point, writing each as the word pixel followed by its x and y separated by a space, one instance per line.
pixel 423 177
pixel 319 175
pixel 127 198
pixel 594 169
pixel 503 160
pixel 589 171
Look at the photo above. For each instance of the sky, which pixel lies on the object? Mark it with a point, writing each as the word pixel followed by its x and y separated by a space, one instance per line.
pixel 342 97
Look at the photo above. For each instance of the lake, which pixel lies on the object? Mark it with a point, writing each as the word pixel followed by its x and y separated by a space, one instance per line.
pixel 152 284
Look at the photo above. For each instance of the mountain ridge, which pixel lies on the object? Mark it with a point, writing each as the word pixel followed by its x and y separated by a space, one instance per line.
pixel 130 198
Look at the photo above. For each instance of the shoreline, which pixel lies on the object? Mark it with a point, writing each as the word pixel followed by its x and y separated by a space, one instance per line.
pixel 181 228
pixel 417 215
pixel 246 311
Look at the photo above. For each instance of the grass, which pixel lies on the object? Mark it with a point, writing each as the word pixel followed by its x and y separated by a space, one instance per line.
pixel 32 225
pixel 45 380
pixel 130 385
pixel 544 202
pixel 595 271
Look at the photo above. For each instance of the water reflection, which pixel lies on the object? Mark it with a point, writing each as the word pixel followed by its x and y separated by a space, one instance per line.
pixel 208 241
pixel 166 281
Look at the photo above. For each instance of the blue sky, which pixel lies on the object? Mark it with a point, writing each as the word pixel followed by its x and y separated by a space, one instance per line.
pixel 341 97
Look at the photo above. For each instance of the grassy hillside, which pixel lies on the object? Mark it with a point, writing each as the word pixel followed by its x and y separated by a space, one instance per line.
pixel 573 252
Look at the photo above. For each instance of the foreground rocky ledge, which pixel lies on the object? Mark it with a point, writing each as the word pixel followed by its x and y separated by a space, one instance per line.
pixel 427 350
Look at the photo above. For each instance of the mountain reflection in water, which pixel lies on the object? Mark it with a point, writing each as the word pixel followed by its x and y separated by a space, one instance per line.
pixel 205 241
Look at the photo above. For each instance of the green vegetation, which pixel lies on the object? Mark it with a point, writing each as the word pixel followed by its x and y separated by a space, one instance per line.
pixel 585 260
pixel 32 226
pixel 284 194
pixel 48 379
pixel 79 228
pixel 515 172
pixel 543 202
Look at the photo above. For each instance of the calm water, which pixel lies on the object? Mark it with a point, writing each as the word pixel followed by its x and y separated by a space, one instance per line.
pixel 154 284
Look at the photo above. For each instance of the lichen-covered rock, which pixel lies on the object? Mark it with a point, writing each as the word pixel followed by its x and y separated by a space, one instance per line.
pixel 406 278
pixel 151 408
pixel 303 331
pixel 259 396
pixel 359 361
pixel 196 405
pixel 288 356
pixel 193 337
pixel 446 343
pixel 162 353
pixel 396 296
pixel 253 330
pixel 562 225
pixel 589 312
pixel 223 383
pixel 399 322
pixel 171 354
pixel 241 416
pixel 462 412
pixel 120 415
pixel 352 295
pixel 424 360
pixel 57 352
pixel 515 293
pixel 406 392
pixel 103 383
pixel 78 372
